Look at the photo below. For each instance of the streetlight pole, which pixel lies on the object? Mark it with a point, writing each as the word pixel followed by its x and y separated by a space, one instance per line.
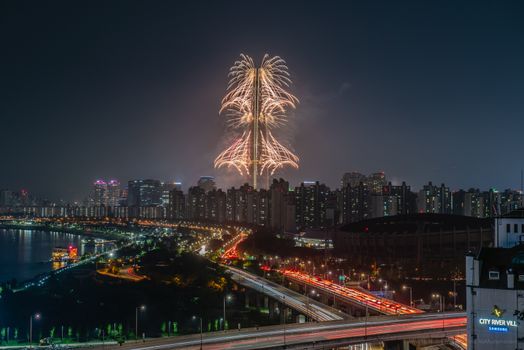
pixel 31 331
pixel 307 300
pixel 410 294
pixel 366 320
pixel 284 316
pixel 441 301
pixel 141 308
pixel 37 317
pixel 201 330
pixel 228 297
pixel 454 294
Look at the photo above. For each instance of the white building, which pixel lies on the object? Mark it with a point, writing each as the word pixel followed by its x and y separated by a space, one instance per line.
pixel 495 289
pixel 509 229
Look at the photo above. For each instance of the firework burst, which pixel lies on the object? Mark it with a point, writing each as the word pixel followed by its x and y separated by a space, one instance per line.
pixel 256 102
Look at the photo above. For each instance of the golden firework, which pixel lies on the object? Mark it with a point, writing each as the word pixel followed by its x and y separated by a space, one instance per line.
pixel 256 102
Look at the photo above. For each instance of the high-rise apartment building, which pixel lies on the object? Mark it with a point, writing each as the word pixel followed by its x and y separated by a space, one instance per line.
pixel 356 202
pixel 144 193
pixel 99 193
pixel 177 205
pixel 196 203
pixel 280 198
pixel 435 199
pixel 310 204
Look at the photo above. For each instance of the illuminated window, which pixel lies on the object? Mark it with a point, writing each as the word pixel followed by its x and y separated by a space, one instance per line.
pixel 494 275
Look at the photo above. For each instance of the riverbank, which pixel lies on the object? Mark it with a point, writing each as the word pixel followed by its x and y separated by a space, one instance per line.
pixel 26 250
pixel 51 227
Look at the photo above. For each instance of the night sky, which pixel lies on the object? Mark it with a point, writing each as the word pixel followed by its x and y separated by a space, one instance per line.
pixel 423 90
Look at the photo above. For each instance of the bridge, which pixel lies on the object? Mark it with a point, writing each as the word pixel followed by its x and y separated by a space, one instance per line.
pixel 311 308
pixel 351 295
pixel 316 335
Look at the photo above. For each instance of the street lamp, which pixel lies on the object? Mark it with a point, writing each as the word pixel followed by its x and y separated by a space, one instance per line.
pixel 454 294
pixel 36 317
pixel 141 308
pixel 366 320
pixel 284 316
pixel 440 300
pixel 385 286
pixel 194 318
pixel 228 298
pixel 410 294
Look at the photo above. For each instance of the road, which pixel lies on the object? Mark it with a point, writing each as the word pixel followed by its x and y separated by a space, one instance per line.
pixel 311 308
pixel 461 340
pixel 231 251
pixel 356 296
pixel 316 335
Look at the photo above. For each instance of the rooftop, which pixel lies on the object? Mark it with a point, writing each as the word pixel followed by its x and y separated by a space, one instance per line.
pixel 515 214
pixel 418 223
pixel 501 259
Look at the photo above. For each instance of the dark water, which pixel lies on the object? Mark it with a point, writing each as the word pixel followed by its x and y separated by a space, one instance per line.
pixel 26 253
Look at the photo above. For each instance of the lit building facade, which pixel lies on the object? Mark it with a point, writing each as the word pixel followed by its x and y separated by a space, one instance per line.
pixel 435 199
pixel 310 204
pixel 494 299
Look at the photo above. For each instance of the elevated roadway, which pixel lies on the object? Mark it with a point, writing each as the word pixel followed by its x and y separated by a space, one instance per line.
pixel 311 308
pixel 316 335
pixel 355 296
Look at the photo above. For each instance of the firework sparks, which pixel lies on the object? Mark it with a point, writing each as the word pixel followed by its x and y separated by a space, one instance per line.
pixel 255 103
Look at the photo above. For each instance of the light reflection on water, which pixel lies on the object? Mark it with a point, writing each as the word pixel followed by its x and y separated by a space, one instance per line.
pixel 27 253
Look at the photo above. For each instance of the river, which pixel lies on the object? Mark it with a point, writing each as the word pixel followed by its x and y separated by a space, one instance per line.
pixel 26 253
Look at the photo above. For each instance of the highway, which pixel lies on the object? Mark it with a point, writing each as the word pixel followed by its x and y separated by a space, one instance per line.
pixel 356 296
pixel 315 335
pixel 231 251
pixel 311 308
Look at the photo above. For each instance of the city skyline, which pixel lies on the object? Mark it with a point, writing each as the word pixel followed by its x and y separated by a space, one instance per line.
pixel 185 186
pixel 381 85
pixel 286 174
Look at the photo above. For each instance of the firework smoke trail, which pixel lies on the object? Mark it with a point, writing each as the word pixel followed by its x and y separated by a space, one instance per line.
pixel 255 103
